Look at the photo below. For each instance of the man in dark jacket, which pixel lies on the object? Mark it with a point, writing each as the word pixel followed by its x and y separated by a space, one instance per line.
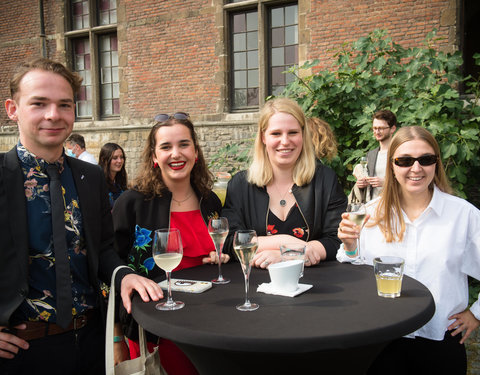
pixel 33 338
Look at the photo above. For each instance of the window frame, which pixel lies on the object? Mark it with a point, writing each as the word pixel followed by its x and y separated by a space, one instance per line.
pixel 93 33
pixel 264 45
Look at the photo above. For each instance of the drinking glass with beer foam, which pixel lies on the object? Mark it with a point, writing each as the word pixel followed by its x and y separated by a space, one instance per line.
pixel 388 273
pixel 167 252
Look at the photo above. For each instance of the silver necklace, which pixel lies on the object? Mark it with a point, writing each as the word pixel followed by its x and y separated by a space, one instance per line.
pixel 283 202
pixel 183 200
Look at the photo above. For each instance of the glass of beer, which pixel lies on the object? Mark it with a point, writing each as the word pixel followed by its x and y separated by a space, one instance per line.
pixel 388 273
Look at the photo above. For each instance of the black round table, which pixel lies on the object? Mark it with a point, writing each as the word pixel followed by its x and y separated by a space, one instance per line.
pixel 336 327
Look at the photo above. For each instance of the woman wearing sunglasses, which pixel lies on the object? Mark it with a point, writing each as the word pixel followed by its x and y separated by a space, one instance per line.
pixel 438 236
pixel 173 189
pixel 286 195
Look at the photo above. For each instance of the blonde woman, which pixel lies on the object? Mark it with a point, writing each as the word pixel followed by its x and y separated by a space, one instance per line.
pixel 437 234
pixel 286 195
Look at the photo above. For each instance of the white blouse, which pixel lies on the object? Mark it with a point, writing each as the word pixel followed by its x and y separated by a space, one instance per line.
pixel 441 247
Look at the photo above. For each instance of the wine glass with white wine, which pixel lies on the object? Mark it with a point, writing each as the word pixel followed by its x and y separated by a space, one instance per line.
pixel 218 230
pixel 167 252
pixel 356 213
pixel 245 245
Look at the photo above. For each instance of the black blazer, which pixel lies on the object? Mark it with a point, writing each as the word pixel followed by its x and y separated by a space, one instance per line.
pixel 97 224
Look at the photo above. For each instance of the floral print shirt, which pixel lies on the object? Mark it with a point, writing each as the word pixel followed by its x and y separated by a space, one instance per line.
pixel 41 300
pixel 293 225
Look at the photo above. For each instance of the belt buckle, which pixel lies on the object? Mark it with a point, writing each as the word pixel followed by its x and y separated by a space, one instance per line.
pixel 79 322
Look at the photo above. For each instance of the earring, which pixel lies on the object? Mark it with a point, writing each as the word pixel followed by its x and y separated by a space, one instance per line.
pixel 196 160
pixel 155 165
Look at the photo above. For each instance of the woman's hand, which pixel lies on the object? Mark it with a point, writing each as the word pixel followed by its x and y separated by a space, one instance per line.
pixel 349 232
pixel 266 257
pixel 314 253
pixel 120 352
pixel 464 322
pixel 213 258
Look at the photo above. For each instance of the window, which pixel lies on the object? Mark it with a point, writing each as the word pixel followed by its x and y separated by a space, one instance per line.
pixel 93 46
pixel 263 45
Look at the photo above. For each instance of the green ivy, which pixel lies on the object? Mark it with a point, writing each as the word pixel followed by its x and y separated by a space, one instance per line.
pixel 418 84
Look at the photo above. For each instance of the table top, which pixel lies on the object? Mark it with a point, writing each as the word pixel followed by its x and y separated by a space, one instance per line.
pixel 341 311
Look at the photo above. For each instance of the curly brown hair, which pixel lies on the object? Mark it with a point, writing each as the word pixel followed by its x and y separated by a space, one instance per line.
pixel 149 179
pixel 324 140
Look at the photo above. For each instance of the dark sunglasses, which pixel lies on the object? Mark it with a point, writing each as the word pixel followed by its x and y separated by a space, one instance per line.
pixel 162 117
pixel 408 161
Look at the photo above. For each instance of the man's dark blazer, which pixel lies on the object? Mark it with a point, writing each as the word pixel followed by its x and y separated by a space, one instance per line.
pixel 97 225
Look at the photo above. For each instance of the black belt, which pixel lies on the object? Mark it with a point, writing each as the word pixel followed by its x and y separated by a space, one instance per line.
pixel 36 330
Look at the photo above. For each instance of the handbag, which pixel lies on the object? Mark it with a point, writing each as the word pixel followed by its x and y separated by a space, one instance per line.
pixel 146 364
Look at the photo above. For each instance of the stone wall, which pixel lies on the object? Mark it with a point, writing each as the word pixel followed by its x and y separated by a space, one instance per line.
pixel 132 138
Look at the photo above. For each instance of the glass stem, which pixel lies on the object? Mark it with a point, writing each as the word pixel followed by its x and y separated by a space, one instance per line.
pixel 247 302
pixel 169 282
pixel 219 253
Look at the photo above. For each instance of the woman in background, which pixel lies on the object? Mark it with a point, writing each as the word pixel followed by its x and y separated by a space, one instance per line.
pixel 173 189
pixel 112 160
pixel 324 141
pixel 286 195
pixel 437 234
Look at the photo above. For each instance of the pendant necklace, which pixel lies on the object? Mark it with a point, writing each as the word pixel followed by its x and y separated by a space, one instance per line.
pixel 283 202
pixel 183 200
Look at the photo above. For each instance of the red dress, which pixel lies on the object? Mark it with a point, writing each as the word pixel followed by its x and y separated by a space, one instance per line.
pixel 197 244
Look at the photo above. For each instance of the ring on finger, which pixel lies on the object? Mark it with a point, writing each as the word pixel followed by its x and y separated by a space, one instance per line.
pixel 266 263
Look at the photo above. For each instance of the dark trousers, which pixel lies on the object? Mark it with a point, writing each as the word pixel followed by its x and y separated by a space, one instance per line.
pixel 68 353
pixel 422 356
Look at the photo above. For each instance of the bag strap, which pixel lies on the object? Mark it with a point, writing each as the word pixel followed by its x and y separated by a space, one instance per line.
pixel 109 335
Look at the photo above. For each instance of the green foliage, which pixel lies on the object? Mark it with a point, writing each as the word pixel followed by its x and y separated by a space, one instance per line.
pixel 232 157
pixel 418 84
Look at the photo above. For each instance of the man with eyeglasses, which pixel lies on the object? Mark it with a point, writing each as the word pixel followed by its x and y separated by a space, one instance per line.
pixel 384 125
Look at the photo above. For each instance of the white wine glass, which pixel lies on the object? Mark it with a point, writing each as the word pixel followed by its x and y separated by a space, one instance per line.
pixel 363 163
pixel 356 213
pixel 218 230
pixel 167 253
pixel 245 245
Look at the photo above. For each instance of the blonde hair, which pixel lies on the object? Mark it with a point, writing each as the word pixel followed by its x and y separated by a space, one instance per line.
pixel 260 172
pixel 388 212
pixel 324 141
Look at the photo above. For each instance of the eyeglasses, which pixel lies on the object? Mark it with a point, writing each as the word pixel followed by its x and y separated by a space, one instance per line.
pixel 408 161
pixel 162 117
pixel 381 129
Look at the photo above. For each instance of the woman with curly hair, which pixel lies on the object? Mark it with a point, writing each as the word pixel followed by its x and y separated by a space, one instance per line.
pixel 112 160
pixel 173 189
pixel 324 141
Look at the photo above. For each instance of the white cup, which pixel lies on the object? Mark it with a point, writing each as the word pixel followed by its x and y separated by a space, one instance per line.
pixel 285 275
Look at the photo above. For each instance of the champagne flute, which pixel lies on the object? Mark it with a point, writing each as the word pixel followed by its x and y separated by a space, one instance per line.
pixel 245 246
pixel 218 230
pixel 363 163
pixel 357 213
pixel 167 253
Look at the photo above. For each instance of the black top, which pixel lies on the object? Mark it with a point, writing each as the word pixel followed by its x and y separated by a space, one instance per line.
pixel 341 311
pixel 321 204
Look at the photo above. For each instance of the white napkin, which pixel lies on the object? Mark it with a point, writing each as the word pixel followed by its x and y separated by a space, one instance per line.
pixel 269 289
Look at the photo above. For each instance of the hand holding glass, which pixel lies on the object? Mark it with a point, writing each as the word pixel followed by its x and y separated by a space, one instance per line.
pixel 245 246
pixel 218 230
pixel 357 213
pixel 167 253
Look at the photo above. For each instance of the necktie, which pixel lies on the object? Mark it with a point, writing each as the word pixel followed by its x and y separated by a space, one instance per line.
pixel 62 264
